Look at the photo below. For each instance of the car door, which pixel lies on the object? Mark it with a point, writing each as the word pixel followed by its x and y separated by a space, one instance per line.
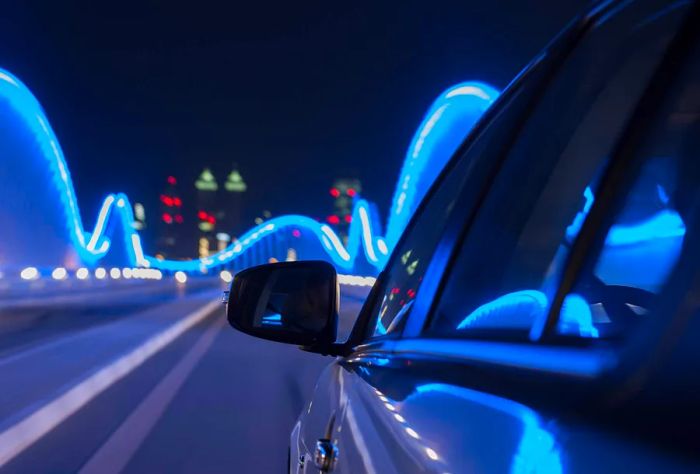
pixel 426 242
pixel 426 391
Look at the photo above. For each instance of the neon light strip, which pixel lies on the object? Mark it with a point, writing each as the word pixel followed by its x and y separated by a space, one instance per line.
pixel 452 113
pixel 469 99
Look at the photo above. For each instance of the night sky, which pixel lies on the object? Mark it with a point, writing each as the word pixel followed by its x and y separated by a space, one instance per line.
pixel 296 93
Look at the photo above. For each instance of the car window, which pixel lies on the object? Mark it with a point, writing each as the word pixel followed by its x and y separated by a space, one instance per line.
pixel 646 235
pixel 507 269
pixel 405 272
pixel 464 180
pixel 403 276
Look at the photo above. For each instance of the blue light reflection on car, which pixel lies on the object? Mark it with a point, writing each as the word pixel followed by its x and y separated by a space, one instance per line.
pixel 524 305
pixel 664 224
pixel 537 452
pixel 576 317
pixel 522 308
pixel 272 320
pixel 648 249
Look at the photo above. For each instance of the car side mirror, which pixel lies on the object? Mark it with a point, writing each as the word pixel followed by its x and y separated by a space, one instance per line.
pixel 291 302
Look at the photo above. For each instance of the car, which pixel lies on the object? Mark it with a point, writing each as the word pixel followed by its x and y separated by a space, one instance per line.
pixel 541 311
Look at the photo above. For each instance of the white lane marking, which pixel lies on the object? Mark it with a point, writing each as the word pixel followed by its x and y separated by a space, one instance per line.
pixel 32 348
pixel 26 432
pixel 117 451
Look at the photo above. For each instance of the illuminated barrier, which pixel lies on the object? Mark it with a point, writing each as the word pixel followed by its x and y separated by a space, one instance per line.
pixel 445 126
pixel 356 280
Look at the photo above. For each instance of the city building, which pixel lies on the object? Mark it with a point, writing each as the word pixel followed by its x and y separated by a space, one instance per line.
pixel 139 216
pixel 219 210
pixel 171 219
pixel 344 192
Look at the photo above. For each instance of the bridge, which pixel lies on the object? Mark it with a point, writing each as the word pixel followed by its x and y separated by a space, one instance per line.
pixel 112 359
pixel 32 155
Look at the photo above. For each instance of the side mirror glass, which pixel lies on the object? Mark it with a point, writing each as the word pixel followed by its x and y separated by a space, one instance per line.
pixel 292 302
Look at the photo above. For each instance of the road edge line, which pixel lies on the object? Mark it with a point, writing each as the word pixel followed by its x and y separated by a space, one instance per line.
pixel 119 449
pixel 18 437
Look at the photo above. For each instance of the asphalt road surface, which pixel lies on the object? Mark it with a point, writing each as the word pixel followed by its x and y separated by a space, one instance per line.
pixel 145 377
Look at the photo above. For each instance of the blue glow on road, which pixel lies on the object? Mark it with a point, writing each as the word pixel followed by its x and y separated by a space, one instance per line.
pixel 447 123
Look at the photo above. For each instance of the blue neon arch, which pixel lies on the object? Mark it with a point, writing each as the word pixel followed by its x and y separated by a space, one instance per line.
pixel 448 120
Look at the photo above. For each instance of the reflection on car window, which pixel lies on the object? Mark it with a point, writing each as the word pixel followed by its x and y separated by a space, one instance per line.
pixel 296 303
pixel 645 239
pixel 509 266
pixel 405 273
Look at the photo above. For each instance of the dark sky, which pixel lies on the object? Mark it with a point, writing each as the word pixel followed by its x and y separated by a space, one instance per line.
pixel 296 93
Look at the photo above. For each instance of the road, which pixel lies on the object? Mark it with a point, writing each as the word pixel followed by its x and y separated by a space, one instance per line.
pixel 146 377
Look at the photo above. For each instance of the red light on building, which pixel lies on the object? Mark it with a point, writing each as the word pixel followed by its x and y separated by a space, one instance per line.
pixel 296 233
pixel 167 200
pixel 211 219
pixel 335 192
pixel 351 192
pixel 395 291
pixel 348 218
pixel 177 201
pixel 167 218
pixel 172 181
pixel 179 219
pixel 333 219
pixel 411 293
pixel 202 215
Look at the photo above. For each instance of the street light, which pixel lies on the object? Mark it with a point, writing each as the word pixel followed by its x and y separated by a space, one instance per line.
pixel 59 273
pixel 29 273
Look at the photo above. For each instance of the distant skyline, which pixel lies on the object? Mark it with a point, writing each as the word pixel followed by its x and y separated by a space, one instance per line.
pixel 295 94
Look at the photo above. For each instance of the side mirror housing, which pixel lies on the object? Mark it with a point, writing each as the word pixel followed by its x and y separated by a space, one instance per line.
pixel 291 302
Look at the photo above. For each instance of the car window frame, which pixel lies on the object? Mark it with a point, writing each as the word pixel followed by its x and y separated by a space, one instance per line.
pixel 568 381
pixel 601 367
pixel 622 169
pixel 594 367
pixel 361 332
pixel 550 319
pixel 560 49
pixel 552 57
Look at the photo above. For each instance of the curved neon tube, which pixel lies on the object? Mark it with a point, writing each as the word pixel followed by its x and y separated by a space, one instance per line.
pixel 445 125
pixel 453 113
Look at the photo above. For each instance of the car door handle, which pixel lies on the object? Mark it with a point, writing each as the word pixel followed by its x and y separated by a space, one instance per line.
pixel 325 455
